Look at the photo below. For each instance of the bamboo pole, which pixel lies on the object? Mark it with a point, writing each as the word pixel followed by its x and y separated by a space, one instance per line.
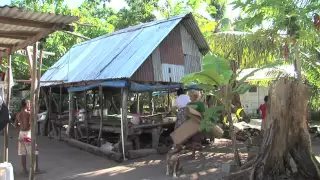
pixel 33 112
pixel 101 114
pixel 6 129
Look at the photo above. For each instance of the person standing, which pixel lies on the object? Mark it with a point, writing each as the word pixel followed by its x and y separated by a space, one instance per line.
pixel 23 124
pixel 263 108
pixel 180 103
pixel 199 106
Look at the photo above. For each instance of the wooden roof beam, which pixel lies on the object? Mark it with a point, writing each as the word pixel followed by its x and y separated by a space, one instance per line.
pixel 13 37
pixel 28 23
pixel 6 45
pixel 17 34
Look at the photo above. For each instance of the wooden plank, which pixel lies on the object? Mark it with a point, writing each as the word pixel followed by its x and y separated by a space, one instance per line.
pixel 95 150
pixel 26 23
pixel 33 113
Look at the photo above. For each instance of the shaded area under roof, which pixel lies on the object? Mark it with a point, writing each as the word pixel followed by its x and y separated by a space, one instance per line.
pixel 118 55
pixel 20 28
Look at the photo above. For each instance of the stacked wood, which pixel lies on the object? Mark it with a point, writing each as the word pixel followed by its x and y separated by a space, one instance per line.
pixel 93 149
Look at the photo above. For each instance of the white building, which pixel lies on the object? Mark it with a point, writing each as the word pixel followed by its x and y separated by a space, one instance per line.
pixel 252 99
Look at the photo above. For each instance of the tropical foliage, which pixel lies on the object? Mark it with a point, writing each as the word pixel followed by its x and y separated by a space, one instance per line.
pixel 217 79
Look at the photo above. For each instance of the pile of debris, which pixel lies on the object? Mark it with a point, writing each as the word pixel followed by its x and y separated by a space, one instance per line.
pixel 244 130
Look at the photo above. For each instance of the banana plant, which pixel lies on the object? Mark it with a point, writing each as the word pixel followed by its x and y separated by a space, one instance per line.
pixel 218 79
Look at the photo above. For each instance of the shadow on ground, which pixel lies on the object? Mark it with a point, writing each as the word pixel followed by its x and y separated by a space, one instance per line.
pixel 63 162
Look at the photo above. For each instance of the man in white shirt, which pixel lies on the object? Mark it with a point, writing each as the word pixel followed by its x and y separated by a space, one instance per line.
pixel 182 100
pixel 180 103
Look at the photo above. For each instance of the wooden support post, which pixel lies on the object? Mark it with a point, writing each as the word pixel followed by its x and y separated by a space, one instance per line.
pixel 6 129
pixel 86 120
pixel 60 112
pixel 124 120
pixel 150 103
pixel 156 132
pixel 94 99
pixel 70 130
pixel 138 103
pixel 33 112
pixel 168 100
pixel 37 91
pixel 49 111
pixel 101 113
pixel 44 129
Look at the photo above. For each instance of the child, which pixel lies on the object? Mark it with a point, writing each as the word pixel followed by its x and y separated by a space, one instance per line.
pixel 263 108
pixel 23 124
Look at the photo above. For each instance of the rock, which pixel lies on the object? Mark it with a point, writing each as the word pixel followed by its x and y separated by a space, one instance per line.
pixel 229 167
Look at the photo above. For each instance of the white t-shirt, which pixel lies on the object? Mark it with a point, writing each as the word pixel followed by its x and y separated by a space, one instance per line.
pixel 181 101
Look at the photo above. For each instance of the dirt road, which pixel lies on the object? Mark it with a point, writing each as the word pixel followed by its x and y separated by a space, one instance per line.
pixel 63 162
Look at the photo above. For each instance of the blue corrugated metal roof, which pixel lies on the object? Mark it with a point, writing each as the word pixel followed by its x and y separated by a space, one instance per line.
pixel 112 56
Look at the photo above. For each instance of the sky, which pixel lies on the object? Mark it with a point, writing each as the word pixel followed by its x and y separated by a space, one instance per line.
pixel 118 4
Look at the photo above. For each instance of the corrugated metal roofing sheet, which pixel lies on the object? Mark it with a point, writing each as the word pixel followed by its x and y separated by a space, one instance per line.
pixel 113 56
pixel 18 24
pixel 268 73
pixel 21 13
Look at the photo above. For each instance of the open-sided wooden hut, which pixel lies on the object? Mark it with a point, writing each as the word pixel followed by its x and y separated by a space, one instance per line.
pixel 146 57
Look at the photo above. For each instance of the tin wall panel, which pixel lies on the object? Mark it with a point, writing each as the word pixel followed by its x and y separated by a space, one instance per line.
pixel 189 45
pixel 171 48
pixel 156 63
pixel 172 73
pixel 145 71
pixel 192 64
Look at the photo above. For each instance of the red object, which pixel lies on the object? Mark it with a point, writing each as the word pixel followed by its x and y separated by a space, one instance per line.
pixel 27 139
pixel 263 109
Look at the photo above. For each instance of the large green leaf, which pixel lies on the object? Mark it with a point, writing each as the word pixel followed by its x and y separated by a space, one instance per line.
pixel 216 71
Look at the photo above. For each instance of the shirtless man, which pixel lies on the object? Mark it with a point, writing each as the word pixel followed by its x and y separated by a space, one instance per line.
pixel 23 124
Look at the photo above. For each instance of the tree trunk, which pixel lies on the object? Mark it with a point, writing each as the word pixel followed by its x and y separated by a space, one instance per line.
pixel 231 128
pixel 286 136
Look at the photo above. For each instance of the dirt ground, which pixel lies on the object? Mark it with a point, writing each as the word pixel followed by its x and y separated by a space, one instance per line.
pixel 63 162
